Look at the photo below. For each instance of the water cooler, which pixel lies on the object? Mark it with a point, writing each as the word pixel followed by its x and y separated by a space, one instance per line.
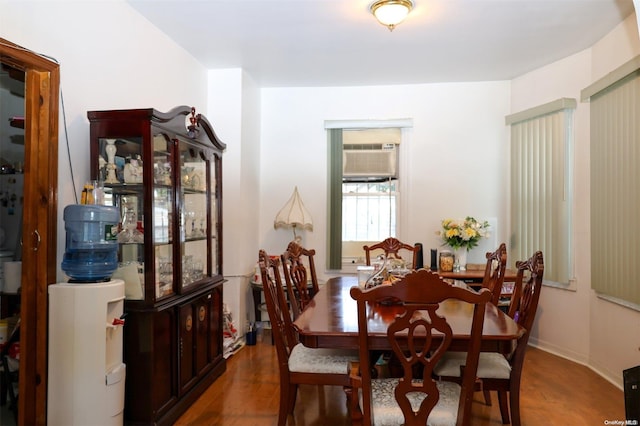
pixel 86 372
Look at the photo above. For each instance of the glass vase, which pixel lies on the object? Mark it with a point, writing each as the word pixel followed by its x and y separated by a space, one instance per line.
pixel 460 264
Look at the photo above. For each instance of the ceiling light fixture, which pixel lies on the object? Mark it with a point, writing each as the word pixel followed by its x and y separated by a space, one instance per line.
pixel 391 12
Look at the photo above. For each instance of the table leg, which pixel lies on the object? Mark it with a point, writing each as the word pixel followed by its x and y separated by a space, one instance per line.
pixel 257 300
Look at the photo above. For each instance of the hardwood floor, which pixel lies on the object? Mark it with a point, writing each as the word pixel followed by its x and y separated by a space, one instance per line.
pixel 554 392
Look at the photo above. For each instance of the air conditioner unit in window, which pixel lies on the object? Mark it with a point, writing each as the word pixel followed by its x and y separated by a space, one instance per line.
pixel 370 163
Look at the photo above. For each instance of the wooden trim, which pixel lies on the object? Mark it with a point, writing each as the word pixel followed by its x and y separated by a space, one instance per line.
pixel 39 229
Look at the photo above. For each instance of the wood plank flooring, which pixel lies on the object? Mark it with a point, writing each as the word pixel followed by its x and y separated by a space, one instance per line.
pixel 555 391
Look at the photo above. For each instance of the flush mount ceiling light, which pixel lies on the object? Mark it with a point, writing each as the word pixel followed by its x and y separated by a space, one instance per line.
pixel 391 12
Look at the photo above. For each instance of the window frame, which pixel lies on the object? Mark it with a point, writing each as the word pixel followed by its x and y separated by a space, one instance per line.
pixel 334 183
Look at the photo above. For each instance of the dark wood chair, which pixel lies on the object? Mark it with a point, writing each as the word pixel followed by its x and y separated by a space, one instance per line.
pixel 302 284
pixel 494 272
pixel 499 372
pixel 297 363
pixel 391 248
pixel 419 337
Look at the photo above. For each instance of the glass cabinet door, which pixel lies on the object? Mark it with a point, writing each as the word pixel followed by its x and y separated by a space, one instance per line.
pixel 163 215
pixel 120 166
pixel 214 266
pixel 194 227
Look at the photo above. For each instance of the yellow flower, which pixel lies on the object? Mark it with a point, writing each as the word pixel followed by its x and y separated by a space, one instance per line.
pixel 463 234
pixel 470 233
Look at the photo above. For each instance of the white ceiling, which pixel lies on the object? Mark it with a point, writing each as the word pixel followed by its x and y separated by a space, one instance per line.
pixel 289 43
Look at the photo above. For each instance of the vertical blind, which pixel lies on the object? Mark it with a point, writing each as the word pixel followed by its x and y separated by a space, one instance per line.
pixel 615 189
pixel 541 186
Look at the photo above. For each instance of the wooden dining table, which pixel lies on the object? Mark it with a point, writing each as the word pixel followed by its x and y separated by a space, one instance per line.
pixel 331 321
pixel 474 278
pixel 476 275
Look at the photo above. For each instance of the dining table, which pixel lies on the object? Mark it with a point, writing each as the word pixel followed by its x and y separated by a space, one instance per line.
pixel 331 321
pixel 474 278
pixel 476 275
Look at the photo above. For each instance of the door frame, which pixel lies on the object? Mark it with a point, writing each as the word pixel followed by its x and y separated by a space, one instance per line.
pixel 39 228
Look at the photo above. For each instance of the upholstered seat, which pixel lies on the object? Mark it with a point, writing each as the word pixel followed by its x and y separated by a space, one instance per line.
pixel 320 360
pixel 490 365
pixel 386 410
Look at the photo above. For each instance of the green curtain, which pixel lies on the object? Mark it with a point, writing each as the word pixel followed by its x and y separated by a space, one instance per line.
pixel 334 228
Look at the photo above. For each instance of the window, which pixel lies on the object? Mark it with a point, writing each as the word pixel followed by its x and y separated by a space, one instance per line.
pixel 363 189
pixel 615 177
pixel 368 210
pixel 541 187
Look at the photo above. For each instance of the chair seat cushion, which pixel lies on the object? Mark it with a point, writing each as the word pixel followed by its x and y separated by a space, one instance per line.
pixel 387 412
pixel 491 365
pixel 320 360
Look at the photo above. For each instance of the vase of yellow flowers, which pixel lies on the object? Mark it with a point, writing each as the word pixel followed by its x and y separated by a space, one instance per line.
pixel 462 236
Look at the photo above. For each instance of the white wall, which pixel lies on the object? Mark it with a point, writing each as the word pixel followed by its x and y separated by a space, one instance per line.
pixel 455 163
pixel 597 333
pixel 110 58
pixel 234 102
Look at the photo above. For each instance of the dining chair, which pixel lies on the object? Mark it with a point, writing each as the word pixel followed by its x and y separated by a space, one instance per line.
pixel 419 337
pixel 391 248
pixel 494 271
pixel 493 279
pixel 496 371
pixel 297 363
pixel 301 284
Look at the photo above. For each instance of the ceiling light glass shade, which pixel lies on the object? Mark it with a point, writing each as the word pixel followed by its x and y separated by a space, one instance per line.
pixel 391 12
pixel 294 214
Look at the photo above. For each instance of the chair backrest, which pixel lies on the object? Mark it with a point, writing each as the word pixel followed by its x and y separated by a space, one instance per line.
pixel 419 337
pixel 524 302
pixel 284 336
pixel 494 272
pixel 297 278
pixel 391 247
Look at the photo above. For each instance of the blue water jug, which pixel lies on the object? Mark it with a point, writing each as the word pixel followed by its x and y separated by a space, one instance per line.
pixel 91 249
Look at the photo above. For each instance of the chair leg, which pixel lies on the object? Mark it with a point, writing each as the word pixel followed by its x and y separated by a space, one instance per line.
pixel 353 404
pixel 514 402
pixel 283 409
pixel 487 396
pixel 504 407
pixel 293 393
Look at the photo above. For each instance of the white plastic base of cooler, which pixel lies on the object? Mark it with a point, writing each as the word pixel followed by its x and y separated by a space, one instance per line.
pixel 86 372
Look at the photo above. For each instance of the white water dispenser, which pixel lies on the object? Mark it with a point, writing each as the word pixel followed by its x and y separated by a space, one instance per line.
pixel 86 372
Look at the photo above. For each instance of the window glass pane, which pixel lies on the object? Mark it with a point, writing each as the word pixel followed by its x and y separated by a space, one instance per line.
pixel 369 211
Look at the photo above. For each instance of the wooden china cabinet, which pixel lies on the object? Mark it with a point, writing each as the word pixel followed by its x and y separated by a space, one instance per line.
pixel 163 171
